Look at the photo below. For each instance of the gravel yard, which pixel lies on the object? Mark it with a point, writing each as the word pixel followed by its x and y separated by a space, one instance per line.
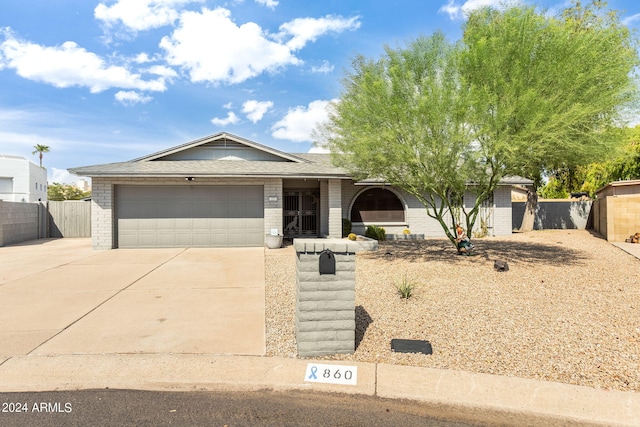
pixel 568 310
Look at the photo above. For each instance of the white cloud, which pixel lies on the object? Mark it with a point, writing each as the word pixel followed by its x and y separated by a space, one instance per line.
pixel 255 110
pixel 630 20
pixel 142 58
pixel 304 30
pixel 319 150
pixel 231 119
pixel 325 68
pixel 228 106
pixel 456 10
pixel 161 70
pixel 69 65
pixel 212 48
pixel 62 176
pixel 299 122
pixel 131 97
pixel 140 15
pixel 269 3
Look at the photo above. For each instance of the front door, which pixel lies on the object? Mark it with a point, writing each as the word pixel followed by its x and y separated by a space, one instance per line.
pixel 301 213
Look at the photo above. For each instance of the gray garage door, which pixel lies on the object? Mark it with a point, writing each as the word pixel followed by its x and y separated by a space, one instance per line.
pixel 189 216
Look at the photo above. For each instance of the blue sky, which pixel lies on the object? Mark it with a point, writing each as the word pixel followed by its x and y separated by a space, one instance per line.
pixel 112 80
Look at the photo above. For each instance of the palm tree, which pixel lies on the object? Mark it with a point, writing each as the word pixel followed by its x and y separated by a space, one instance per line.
pixel 40 149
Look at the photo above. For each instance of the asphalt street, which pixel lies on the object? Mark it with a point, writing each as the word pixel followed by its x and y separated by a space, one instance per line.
pixel 231 409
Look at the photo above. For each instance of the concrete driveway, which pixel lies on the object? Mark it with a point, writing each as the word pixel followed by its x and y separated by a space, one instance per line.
pixel 60 297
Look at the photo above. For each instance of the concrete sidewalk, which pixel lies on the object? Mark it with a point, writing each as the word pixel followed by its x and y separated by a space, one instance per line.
pixel 169 319
pixel 630 248
pixel 453 395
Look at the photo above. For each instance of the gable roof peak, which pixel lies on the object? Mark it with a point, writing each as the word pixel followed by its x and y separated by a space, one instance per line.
pixel 221 136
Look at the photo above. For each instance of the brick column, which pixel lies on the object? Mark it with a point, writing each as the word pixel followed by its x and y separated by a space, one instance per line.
pixel 324 208
pixel 325 303
pixel 102 214
pixel 273 209
pixel 335 208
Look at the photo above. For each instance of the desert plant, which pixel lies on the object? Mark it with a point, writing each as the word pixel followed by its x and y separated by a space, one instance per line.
pixel 405 288
pixel 375 232
pixel 352 236
pixel 346 227
pixel 406 231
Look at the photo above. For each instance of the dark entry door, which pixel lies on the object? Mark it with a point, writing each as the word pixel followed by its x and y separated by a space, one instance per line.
pixel 301 213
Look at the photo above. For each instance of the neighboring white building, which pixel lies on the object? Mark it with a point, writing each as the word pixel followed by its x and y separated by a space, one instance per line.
pixel 21 180
pixel 83 185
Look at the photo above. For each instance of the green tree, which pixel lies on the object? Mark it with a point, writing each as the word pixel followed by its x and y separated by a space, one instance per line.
pixel 57 192
pixel 40 149
pixel 623 164
pixel 402 119
pixel 546 91
pixel 523 94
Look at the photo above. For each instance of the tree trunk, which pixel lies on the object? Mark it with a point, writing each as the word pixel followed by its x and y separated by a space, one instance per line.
pixel 529 212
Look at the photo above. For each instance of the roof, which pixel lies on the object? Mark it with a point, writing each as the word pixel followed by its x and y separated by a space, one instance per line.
pixel 183 161
pixel 624 183
pixel 210 168
pixel 171 162
pixel 9 156
pixel 221 136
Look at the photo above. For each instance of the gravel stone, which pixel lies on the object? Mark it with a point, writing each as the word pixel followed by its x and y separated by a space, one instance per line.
pixel 568 309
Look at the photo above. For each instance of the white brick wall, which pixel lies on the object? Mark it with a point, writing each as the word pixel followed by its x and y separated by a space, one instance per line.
pixel 336 199
pixel 416 218
pixel 272 210
pixel 102 225
pixel 335 207
pixel 324 208
pixel 502 225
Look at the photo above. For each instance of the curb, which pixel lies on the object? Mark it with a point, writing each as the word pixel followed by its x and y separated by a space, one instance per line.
pixel 451 394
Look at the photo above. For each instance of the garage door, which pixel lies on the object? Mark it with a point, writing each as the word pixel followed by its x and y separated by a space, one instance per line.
pixel 189 216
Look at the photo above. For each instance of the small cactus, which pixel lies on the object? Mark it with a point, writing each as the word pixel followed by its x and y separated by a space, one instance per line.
pixel 406 231
pixel 352 236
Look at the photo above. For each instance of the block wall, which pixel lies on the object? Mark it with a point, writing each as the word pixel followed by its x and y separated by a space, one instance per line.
pixel 623 217
pixel 20 222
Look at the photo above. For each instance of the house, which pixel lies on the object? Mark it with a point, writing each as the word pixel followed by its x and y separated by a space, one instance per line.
pixel 224 190
pixel 21 180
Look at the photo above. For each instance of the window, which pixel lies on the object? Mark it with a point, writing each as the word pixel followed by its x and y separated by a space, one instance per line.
pixel 377 205
pixel 36 186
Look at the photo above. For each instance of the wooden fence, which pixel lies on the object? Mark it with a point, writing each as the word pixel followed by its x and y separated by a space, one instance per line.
pixel 69 218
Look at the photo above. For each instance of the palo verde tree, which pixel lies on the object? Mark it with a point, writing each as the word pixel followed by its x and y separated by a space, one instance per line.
pixel 402 119
pixel 523 93
pixel 546 92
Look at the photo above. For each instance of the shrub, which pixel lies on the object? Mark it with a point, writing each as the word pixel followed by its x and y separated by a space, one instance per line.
pixel 405 288
pixel 352 236
pixel 375 232
pixel 406 231
pixel 346 227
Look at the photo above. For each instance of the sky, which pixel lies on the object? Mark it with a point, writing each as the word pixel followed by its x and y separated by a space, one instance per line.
pixel 112 80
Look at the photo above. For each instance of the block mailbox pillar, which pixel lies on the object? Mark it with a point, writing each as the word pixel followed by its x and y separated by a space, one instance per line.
pixel 325 297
